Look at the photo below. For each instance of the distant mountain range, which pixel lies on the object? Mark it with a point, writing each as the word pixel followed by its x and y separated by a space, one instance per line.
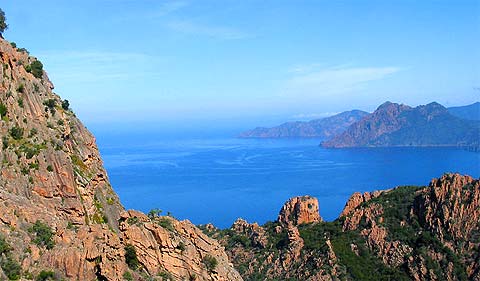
pixel 391 124
pixel 321 128
pixel 395 124
pixel 469 112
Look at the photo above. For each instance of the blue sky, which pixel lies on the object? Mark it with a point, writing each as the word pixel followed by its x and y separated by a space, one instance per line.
pixel 249 62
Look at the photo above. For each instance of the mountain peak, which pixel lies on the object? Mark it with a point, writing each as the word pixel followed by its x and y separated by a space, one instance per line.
pixel 395 124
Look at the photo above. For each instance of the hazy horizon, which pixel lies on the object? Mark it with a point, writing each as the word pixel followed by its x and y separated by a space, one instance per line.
pixel 188 64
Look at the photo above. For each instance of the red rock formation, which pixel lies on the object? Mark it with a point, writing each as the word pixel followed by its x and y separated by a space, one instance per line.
pixel 51 171
pixel 300 210
pixel 357 199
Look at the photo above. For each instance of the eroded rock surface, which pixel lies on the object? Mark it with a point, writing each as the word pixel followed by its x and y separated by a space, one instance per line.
pixel 52 176
pixel 300 210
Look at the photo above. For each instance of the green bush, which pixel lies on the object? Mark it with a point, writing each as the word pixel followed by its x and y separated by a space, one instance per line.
pixel 65 104
pixel 4 246
pixel 131 257
pixel 45 275
pixel 50 103
pixel 181 247
pixel 43 235
pixel 50 168
pixel 127 276
pixel 166 223
pixel 11 268
pixel 3 22
pixel 21 88
pixel 16 133
pixel 154 213
pixel 3 110
pixel 210 262
pixel 36 68
pixel 4 143
pixel 165 275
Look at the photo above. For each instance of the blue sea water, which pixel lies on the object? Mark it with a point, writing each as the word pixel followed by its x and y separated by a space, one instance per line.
pixel 218 180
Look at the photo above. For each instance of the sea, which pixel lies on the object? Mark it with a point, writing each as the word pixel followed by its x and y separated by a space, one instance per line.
pixel 217 179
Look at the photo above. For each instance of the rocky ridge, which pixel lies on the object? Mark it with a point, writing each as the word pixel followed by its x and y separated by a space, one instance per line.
pixel 59 215
pixel 318 128
pixel 405 233
pixel 400 125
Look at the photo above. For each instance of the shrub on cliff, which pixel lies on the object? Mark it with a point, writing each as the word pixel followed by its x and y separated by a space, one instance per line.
pixel 65 104
pixel 43 235
pixel 3 22
pixel 210 263
pixel 16 133
pixel 45 275
pixel 131 257
pixel 36 68
pixel 3 110
pixel 10 267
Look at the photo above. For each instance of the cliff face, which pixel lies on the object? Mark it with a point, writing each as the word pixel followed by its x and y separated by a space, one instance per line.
pixel 319 128
pixel 58 210
pixel 400 125
pixel 405 233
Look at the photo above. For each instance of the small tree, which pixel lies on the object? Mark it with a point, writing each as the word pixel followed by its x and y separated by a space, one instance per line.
pixel 131 257
pixel 36 68
pixel 65 104
pixel 3 23
pixel 154 213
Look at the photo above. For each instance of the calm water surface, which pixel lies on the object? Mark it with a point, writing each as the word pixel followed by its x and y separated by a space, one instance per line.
pixel 218 180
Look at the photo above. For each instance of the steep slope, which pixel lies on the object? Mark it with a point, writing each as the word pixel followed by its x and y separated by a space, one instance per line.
pixel 469 112
pixel 400 125
pixel 406 233
pixel 320 128
pixel 59 215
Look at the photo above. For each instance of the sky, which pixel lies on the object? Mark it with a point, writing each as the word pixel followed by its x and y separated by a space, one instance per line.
pixel 244 63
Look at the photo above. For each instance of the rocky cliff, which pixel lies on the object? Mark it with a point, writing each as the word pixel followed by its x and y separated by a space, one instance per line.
pixel 59 216
pixel 400 125
pixel 405 233
pixel 318 128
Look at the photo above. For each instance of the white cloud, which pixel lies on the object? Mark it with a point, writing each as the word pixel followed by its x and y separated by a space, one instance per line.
pixel 218 32
pixel 334 80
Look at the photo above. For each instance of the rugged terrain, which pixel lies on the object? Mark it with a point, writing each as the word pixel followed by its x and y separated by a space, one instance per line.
pixel 318 128
pixel 401 125
pixel 406 233
pixel 59 216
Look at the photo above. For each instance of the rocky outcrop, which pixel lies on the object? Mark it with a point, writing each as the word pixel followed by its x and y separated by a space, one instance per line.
pixel 255 233
pixel 254 249
pixel 400 125
pixel 300 210
pixel 318 128
pixel 405 233
pixel 450 209
pixel 164 244
pixel 450 206
pixel 357 199
pixel 58 210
